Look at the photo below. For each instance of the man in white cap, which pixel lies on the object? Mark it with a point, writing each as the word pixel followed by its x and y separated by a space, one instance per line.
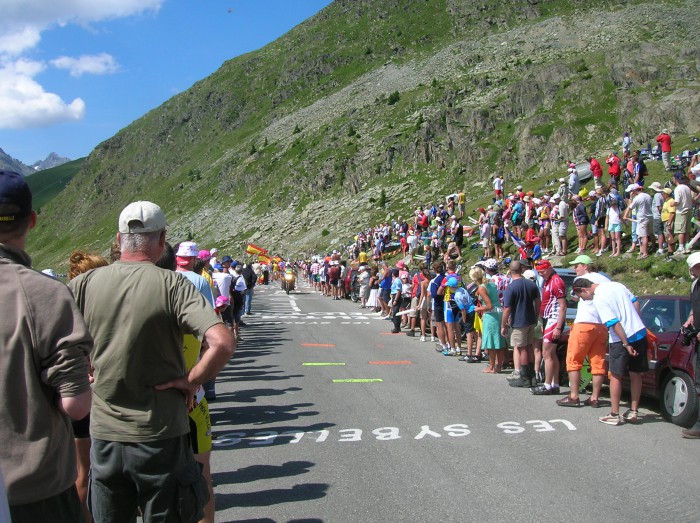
pixel 694 267
pixel 138 315
pixel 641 206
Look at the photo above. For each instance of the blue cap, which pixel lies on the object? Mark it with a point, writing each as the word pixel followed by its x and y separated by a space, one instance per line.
pixel 15 191
pixel 226 259
pixel 452 281
pixel 219 267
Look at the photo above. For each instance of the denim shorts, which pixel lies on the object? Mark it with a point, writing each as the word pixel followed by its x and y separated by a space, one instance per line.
pixel 615 227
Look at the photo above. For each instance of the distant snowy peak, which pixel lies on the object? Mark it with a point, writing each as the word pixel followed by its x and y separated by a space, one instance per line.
pixel 52 160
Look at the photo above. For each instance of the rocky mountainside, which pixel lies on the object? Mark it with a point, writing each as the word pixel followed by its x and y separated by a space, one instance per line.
pixel 292 145
pixel 52 160
pixel 9 163
pixel 12 164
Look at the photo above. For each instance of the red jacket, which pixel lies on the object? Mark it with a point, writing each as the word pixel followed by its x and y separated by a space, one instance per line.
pixel 665 141
pixel 613 165
pixel 596 168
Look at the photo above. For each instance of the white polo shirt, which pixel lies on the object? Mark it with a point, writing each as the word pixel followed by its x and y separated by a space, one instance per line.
pixel 615 304
pixel 586 311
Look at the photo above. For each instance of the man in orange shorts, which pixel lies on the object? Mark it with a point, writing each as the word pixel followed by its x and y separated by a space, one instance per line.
pixel 588 337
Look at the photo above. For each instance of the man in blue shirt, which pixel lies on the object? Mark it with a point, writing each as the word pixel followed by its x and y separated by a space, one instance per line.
pixel 521 305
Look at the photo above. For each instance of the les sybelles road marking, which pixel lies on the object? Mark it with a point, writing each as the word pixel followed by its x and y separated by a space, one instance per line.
pixel 457 430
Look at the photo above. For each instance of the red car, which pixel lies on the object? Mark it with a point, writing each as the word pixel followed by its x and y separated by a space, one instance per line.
pixel 671 376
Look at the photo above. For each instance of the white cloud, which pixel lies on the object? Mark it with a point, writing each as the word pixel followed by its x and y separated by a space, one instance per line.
pixel 25 104
pixel 91 64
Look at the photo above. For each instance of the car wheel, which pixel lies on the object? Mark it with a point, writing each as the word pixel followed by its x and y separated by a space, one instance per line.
pixel 679 399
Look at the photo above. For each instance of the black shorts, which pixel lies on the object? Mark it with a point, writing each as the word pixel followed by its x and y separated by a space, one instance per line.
pixel 333 282
pixel 468 326
pixel 81 427
pixel 384 295
pixel 621 362
pixel 439 312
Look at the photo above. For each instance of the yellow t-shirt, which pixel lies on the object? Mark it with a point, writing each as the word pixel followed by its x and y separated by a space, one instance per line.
pixel 669 205
pixel 461 198
pixel 362 257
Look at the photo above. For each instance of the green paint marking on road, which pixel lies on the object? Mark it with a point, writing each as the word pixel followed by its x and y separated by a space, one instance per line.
pixel 359 380
pixel 322 364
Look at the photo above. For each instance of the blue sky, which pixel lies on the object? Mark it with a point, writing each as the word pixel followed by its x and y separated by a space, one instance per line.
pixel 74 72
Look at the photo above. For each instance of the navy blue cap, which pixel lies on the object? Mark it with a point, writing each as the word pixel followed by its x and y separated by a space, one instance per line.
pixel 15 191
pixel 226 259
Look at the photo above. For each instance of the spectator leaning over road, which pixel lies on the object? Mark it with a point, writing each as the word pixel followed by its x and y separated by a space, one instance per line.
pixel 684 211
pixel 618 310
pixel 693 321
pixel 657 203
pixel 139 419
pixel 588 338
pixel 664 139
pixel 521 303
pixel 641 207
pixel 553 314
pixel 44 368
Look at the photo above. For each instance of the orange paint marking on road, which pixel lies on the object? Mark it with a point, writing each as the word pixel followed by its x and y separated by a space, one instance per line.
pixel 318 344
pixel 399 362
pixel 388 333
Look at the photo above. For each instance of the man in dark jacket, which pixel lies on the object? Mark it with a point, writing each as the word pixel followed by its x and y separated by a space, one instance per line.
pixel 250 280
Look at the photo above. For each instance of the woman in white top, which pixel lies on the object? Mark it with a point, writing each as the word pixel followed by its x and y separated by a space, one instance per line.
pixel 614 226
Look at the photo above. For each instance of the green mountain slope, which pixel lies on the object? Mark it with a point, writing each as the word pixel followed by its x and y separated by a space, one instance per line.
pixel 48 183
pixel 290 146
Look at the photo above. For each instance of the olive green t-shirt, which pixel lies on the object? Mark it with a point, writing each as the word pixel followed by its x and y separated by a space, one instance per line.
pixel 138 315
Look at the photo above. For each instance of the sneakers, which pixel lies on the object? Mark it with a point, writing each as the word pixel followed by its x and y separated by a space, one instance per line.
pixel 445 352
pixel 515 375
pixel 432 338
pixel 521 382
pixel 542 390
pixel 612 419
pixel 422 338
pixel 631 416
pixel 411 334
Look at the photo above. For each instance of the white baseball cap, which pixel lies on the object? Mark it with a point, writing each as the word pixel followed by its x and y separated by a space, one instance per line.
pixel 150 217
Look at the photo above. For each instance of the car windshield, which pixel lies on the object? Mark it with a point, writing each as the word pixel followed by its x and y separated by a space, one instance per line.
pixel 659 314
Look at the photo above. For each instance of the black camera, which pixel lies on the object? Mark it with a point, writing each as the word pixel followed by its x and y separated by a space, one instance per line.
pixel 688 334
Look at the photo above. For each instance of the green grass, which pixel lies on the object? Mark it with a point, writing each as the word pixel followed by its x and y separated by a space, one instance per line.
pixel 47 184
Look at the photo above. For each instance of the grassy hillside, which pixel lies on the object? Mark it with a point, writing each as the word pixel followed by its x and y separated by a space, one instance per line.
pixel 290 146
pixel 48 183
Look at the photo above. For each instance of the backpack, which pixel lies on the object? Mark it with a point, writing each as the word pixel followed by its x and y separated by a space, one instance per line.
pixel 501 233
pixel 462 298
pixel 334 272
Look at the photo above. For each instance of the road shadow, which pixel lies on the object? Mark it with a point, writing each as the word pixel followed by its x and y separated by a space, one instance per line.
pixel 269 497
pixel 260 414
pixel 251 395
pixel 249 437
pixel 268 520
pixel 258 472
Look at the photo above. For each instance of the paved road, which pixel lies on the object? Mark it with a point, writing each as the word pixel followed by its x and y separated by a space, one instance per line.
pixel 434 440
